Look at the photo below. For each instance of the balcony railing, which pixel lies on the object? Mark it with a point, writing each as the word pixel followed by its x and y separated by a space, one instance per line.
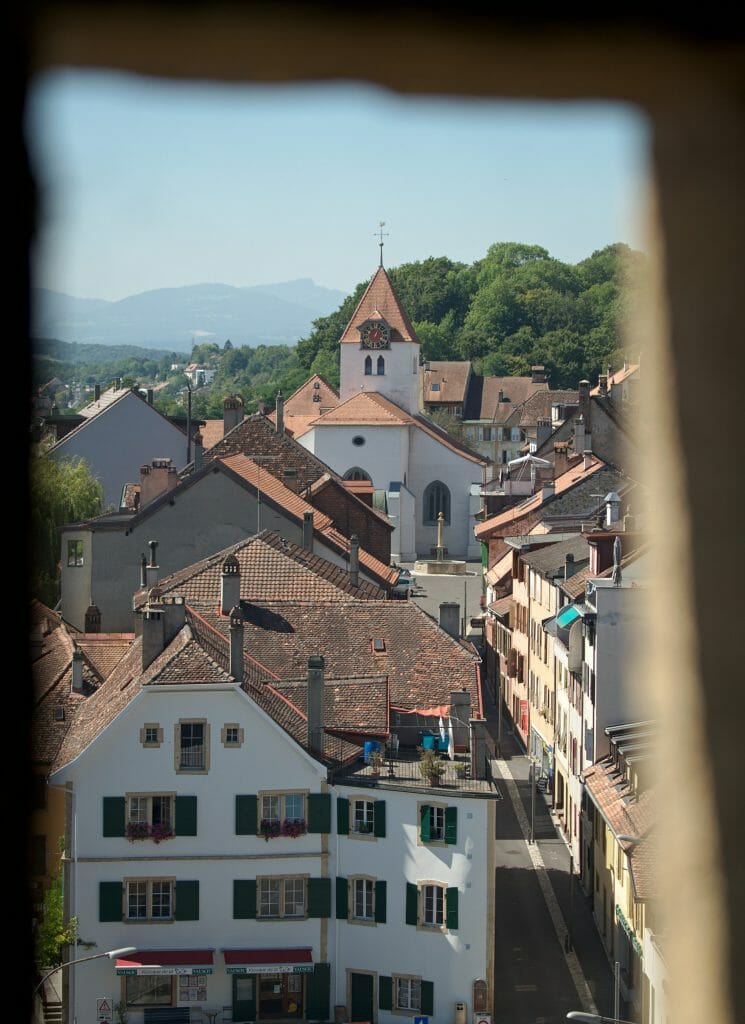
pixel 192 757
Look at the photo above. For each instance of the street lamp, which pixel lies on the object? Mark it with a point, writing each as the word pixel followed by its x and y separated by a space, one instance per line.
pixel 111 954
pixel 595 1018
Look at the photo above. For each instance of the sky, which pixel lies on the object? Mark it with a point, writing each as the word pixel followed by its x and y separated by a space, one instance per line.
pixel 148 184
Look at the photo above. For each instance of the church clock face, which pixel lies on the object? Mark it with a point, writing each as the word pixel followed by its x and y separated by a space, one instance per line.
pixel 375 334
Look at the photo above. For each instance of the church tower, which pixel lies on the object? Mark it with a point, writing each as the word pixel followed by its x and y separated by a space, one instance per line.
pixel 380 349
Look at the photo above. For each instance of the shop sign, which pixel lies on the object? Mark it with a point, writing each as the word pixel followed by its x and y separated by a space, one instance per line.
pixel 162 971
pixel 271 969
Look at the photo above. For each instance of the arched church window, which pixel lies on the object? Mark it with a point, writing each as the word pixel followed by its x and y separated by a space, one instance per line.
pixel 355 473
pixel 436 500
pixel 381 366
pixel 368 365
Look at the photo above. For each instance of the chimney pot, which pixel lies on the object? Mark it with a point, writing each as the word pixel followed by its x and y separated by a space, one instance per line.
pixel 92 620
pixel 316 665
pixel 153 633
pixel 280 413
pixel 230 584
pixel 77 671
pixel 354 560
pixel 586 458
pixel 236 643
pixel 308 531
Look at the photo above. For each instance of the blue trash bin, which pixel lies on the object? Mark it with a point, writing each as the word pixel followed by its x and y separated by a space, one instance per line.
pixel 428 742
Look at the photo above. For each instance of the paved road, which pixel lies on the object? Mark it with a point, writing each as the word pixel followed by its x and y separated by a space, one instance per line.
pixel 537 978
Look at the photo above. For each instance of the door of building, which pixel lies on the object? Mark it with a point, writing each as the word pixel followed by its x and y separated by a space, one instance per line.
pixel 362 997
pixel 280 996
pixel 244 997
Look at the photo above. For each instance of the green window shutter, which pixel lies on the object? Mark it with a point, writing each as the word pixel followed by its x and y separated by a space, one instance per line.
pixel 379 819
pixel 380 895
pixel 186 815
pixel 187 901
pixel 451 824
pixel 451 907
pixel 318 993
pixel 244 898
pixel 319 897
pixel 319 812
pixel 342 899
pixel 342 816
pixel 113 816
pixel 424 833
pixel 110 901
pixel 385 992
pixel 246 815
pixel 412 899
pixel 428 999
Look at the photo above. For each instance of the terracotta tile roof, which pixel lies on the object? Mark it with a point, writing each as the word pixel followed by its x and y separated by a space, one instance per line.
pixel 296 507
pixel 104 651
pixel 190 664
pixel 349 705
pixel 272 569
pixel 368 408
pixel 307 404
pixel 422 662
pixel 211 432
pixel 627 814
pixel 504 524
pixel 618 376
pixel 538 406
pixel 485 404
pixel 380 301
pixel 452 378
pixel 575 585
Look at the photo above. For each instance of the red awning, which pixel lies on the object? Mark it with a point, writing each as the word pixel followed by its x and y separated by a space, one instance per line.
pixel 166 961
pixel 302 955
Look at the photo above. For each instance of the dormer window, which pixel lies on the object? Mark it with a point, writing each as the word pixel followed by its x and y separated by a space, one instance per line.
pixel 378 645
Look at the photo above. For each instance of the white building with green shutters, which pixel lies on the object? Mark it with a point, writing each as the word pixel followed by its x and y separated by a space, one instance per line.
pixel 224 823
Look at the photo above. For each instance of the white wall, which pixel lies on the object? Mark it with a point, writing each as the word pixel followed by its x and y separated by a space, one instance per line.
pixel 119 440
pixel 399 383
pixel 384 455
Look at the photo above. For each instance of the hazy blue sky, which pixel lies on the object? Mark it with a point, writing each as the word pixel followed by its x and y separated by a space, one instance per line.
pixel 152 184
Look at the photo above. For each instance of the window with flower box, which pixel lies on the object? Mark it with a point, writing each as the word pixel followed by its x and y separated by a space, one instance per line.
pixel 156 816
pixel 282 814
pixel 272 815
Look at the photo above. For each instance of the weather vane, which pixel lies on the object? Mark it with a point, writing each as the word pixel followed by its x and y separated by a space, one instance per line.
pixel 383 234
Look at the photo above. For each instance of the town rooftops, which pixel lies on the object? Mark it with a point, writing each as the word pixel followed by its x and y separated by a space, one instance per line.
pixel 446 381
pixel 552 559
pixel 313 398
pixel 380 302
pixel 539 406
pixel 618 376
pixel 271 569
pixel 484 397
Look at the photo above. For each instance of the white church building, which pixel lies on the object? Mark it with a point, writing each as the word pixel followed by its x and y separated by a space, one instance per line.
pixel 377 433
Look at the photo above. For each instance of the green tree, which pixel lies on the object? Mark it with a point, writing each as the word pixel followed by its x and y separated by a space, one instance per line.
pixel 52 934
pixel 61 492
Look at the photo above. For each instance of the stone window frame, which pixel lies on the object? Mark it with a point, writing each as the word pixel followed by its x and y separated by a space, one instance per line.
pixel 177 746
pixel 153 744
pixel 224 735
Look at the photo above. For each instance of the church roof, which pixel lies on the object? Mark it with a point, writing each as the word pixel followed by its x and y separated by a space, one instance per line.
pixel 371 409
pixel 380 302
pixel 313 398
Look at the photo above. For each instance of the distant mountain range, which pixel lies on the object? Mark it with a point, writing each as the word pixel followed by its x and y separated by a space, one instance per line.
pixel 176 318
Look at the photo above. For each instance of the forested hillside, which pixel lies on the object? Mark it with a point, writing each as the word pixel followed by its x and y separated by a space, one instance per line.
pixel 515 308
pixel 512 309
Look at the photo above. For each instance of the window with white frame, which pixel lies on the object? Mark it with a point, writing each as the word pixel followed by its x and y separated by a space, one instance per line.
pixel 433 905
pixel 363 816
pixel 192 746
pixel 408 992
pixel 150 809
pixel 150 899
pixel 436 824
pixel 281 897
pixel 363 899
pixel 278 807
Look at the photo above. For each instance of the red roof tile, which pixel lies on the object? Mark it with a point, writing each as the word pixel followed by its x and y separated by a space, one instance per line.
pixel 313 398
pixel 380 301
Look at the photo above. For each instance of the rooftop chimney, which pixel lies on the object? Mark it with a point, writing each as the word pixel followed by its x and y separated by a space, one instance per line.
pixel 569 566
pixel 149 396
pixel 153 633
pixel 92 620
pixel 561 462
pixel 315 702
pixel 539 374
pixel 542 431
pixel 479 754
pixel 308 531
pixel 280 413
pixel 156 479
pixel 612 509
pixel 198 450
pixel 152 569
pixel 603 384
pixel 77 671
pixel 232 412
pixel 586 458
pixel 579 435
pixel 96 392
pixel 450 618
pixel 501 395
pixel 236 643
pixel 143 572
pixel 354 560
pixel 584 403
pixel 230 584
pixel 548 490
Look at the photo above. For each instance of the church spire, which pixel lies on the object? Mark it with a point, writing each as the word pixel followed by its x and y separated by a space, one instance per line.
pixel 382 234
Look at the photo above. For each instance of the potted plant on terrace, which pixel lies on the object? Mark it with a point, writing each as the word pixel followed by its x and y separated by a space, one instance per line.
pixel 375 762
pixel 431 767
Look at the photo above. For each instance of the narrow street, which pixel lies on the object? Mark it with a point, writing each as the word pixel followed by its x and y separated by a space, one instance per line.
pixel 537 979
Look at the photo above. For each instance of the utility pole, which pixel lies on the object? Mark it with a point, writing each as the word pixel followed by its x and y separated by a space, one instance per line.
pixel 532 800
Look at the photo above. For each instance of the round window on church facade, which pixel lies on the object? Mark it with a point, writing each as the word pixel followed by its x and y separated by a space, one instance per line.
pixel 358 440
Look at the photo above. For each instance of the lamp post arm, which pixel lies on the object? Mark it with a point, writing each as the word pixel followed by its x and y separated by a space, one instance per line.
pixel 594 1018
pixel 83 959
